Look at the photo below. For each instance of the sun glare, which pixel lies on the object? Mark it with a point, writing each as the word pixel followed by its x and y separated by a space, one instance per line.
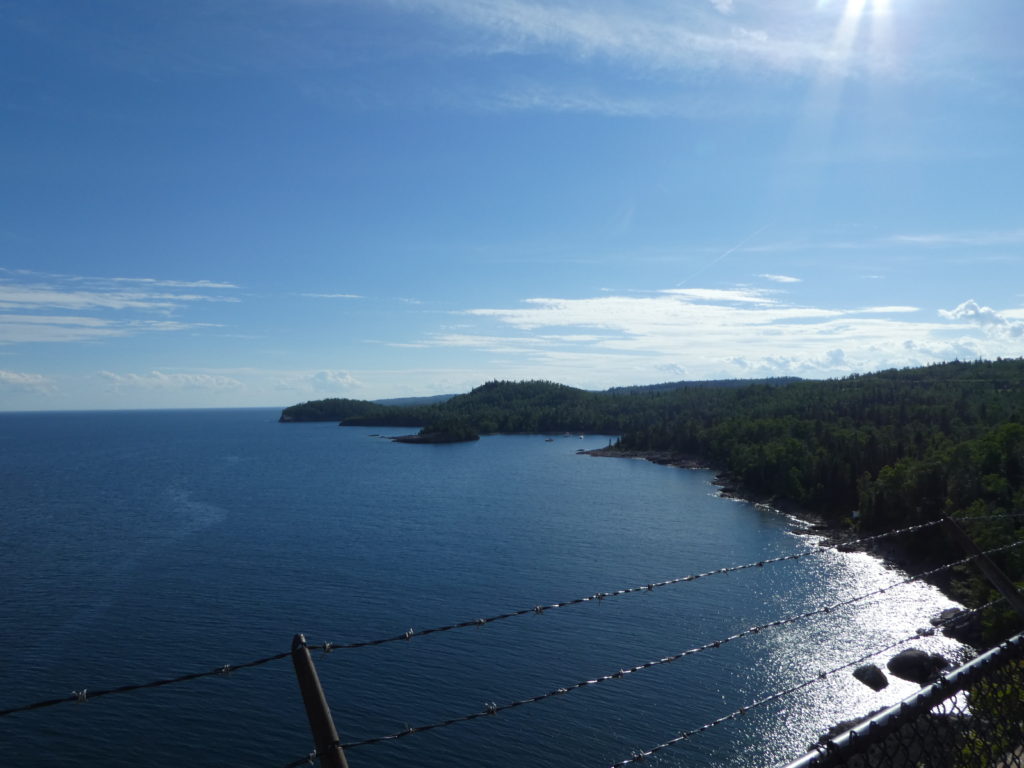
pixel 850 25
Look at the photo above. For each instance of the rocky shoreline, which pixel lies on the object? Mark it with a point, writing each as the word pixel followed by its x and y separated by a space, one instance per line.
pixel 831 532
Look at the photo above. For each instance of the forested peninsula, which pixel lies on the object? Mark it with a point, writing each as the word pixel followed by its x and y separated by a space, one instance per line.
pixel 899 447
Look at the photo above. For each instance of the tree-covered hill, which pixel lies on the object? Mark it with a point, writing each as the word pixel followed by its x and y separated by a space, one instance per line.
pixel 899 446
pixel 331 409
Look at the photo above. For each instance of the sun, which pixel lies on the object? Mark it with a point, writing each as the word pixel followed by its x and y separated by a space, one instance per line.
pixel 851 22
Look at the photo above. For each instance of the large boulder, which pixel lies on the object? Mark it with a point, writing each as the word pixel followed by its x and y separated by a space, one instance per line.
pixel 945 616
pixel 871 676
pixel 916 665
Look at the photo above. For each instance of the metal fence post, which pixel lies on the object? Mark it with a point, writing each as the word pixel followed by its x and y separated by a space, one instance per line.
pixel 992 572
pixel 325 735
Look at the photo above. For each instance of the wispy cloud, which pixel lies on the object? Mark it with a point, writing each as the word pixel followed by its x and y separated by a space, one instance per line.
pixel 38 307
pixel 712 333
pixel 25 382
pixel 658 37
pixel 317 383
pixel 780 278
pixel 545 98
pixel 149 281
pixel 979 238
pixel 332 380
pixel 743 296
pixel 332 295
pixel 160 380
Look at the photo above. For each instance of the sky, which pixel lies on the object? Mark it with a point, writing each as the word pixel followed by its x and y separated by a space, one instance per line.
pixel 226 203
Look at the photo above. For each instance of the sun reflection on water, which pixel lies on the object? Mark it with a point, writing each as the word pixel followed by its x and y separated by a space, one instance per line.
pixel 822 643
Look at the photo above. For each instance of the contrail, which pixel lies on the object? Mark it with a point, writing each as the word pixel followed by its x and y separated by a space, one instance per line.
pixel 721 256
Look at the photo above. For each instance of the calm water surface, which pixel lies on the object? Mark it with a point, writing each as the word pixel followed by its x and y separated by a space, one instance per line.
pixel 138 545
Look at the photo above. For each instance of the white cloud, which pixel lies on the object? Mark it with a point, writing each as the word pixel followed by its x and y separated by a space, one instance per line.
pixel 751 296
pixel 979 239
pixel 25 382
pixel 24 297
pixel 36 307
pixel 717 333
pixel 986 317
pixel 890 310
pixel 781 278
pixel 662 38
pixel 723 6
pixel 165 283
pixel 543 97
pixel 676 371
pixel 21 329
pixel 159 380
pixel 332 380
pixel 331 295
pixel 27 290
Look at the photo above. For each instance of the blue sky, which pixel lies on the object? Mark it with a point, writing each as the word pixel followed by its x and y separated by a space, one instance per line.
pixel 260 202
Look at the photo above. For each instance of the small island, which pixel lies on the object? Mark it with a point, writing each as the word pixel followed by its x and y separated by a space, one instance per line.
pixel 434 437
pixel 447 431
pixel 855 456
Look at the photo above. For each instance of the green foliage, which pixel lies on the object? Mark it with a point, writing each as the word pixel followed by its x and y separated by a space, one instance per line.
pixel 900 446
pixel 997 711
pixel 331 409
pixel 450 430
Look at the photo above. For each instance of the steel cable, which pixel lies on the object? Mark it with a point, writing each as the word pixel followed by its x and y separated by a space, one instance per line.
pixel 86 695
pixel 491 709
pixel 538 609
pixel 642 755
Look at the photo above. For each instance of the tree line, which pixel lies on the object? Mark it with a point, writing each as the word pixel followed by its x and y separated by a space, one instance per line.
pixel 899 446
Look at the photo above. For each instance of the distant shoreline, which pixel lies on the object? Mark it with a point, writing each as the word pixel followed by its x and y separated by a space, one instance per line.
pixel 730 488
pixel 812 523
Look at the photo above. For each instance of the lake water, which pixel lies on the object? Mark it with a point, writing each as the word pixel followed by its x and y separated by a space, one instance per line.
pixel 139 545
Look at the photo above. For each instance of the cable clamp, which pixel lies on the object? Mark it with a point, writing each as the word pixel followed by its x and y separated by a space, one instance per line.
pixel 639 757
pixel 491 708
pixel 328 647
pixel 480 622
pixel 81 696
pixel 538 609
pixel 650 587
pixel 311 758
pixel 225 670
pixel 408 634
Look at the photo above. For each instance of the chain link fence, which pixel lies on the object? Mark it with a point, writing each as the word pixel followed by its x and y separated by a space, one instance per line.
pixel 970 718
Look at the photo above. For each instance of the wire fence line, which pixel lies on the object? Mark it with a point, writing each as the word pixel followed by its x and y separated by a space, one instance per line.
pixel 641 755
pixel 598 596
pixel 327 646
pixel 491 708
pixel 971 717
pixel 85 695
